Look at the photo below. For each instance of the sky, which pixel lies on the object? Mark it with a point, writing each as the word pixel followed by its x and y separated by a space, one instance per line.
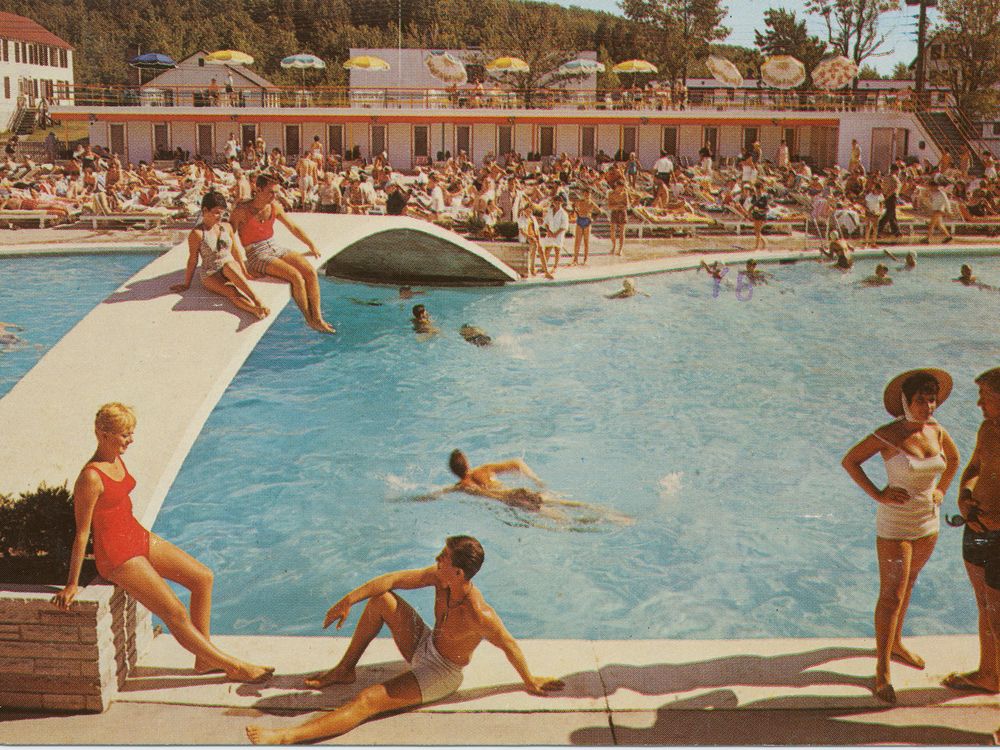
pixel 747 16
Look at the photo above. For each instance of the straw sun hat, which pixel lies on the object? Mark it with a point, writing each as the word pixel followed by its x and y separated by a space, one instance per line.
pixel 893 394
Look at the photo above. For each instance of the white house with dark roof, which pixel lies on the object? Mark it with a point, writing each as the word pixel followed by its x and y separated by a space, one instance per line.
pixel 34 64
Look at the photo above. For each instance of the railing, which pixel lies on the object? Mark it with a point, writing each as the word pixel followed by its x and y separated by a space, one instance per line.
pixel 720 99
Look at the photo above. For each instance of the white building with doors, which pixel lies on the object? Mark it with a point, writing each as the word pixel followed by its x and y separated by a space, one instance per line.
pixel 34 64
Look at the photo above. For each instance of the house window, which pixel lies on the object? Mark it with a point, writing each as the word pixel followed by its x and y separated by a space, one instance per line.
pixel 293 145
pixel 588 141
pixel 463 139
pixel 996 128
pixel 64 58
pixel 669 141
pixel 6 87
pixel 205 141
pixel 547 140
pixel 335 138
pixel 421 142
pixel 629 141
pixel 17 52
pixel 505 140
pixel 5 50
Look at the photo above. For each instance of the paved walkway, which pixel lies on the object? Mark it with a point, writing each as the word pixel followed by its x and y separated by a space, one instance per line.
pixel 751 692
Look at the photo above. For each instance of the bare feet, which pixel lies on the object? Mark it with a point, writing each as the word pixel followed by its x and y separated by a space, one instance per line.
pixel 885 692
pixel 321 325
pixel 970 682
pixel 902 654
pixel 261 312
pixel 249 673
pixel 201 667
pixel 260 736
pixel 335 676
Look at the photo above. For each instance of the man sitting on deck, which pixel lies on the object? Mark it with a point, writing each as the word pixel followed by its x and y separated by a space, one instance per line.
pixel 254 222
pixel 462 619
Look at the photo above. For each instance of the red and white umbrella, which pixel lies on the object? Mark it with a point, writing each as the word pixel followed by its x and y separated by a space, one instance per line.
pixel 724 71
pixel 834 72
pixel 446 67
pixel 783 72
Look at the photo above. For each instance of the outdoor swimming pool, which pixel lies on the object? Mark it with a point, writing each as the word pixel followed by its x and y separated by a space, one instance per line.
pixel 47 296
pixel 718 424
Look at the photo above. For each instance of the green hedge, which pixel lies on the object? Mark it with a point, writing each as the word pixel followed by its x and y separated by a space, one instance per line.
pixel 36 536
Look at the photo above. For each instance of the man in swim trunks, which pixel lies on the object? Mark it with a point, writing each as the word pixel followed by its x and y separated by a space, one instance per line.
pixel 462 619
pixel 979 504
pixel 482 480
pixel 254 222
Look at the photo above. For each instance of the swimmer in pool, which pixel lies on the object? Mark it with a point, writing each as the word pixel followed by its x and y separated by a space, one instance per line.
pixel 406 292
pixel 422 322
pixel 482 481
pixel 881 277
pixel 716 269
pixel 755 275
pixel 9 339
pixel 965 277
pixel 474 335
pixel 628 290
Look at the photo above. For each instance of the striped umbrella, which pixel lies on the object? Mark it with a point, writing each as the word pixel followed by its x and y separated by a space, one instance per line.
pixel 635 66
pixel 508 65
pixel 577 67
pixel 229 57
pixel 724 71
pixel 303 62
pixel 783 72
pixel 834 72
pixel 446 67
pixel 366 62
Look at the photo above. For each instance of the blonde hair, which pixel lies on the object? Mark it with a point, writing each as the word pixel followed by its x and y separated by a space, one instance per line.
pixel 115 417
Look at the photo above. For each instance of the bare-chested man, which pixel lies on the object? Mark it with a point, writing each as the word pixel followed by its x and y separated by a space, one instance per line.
pixel 307 171
pixel 979 504
pixel 462 619
pixel 254 222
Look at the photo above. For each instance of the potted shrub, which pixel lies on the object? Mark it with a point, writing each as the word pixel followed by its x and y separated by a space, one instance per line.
pixel 36 537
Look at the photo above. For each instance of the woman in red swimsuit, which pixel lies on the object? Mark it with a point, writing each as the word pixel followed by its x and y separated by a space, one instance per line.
pixel 131 557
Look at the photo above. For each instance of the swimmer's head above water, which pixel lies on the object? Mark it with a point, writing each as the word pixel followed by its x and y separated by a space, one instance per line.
pixel 458 463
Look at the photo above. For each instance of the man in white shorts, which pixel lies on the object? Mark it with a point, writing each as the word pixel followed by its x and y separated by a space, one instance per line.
pixel 462 619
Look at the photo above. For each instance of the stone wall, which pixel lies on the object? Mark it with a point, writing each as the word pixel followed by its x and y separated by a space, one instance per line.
pixel 68 661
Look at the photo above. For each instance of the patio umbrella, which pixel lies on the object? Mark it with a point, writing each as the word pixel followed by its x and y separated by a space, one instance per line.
pixel 446 67
pixel 782 72
pixel 229 57
pixel 635 66
pixel 508 65
pixel 303 62
pixel 576 67
pixel 834 72
pixel 152 61
pixel 366 62
pixel 724 71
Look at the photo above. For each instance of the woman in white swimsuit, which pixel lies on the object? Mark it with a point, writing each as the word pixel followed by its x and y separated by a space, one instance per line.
pixel 920 461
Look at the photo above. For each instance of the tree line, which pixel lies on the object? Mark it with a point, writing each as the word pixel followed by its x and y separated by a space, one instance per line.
pixel 676 35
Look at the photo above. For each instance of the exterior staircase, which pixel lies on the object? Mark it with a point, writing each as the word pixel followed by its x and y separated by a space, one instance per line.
pixel 24 121
pixel 950 131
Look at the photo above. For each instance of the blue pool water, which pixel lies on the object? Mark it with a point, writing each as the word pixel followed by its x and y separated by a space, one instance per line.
pixel 718 424
pixel 47 296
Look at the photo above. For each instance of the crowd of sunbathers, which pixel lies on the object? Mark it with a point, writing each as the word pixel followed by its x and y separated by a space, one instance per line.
pixel 457 193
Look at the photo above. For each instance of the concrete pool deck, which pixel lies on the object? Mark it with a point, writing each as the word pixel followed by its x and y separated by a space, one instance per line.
pixel 653 692
pixel 172 356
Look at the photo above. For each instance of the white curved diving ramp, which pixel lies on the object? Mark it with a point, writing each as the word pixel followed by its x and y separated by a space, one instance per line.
pixel 401 250
pixel 172 356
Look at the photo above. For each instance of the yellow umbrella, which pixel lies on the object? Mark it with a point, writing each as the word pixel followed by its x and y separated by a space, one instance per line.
pixel 366 62
pixel 508 65
pixel 231 56
pixel 635 66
